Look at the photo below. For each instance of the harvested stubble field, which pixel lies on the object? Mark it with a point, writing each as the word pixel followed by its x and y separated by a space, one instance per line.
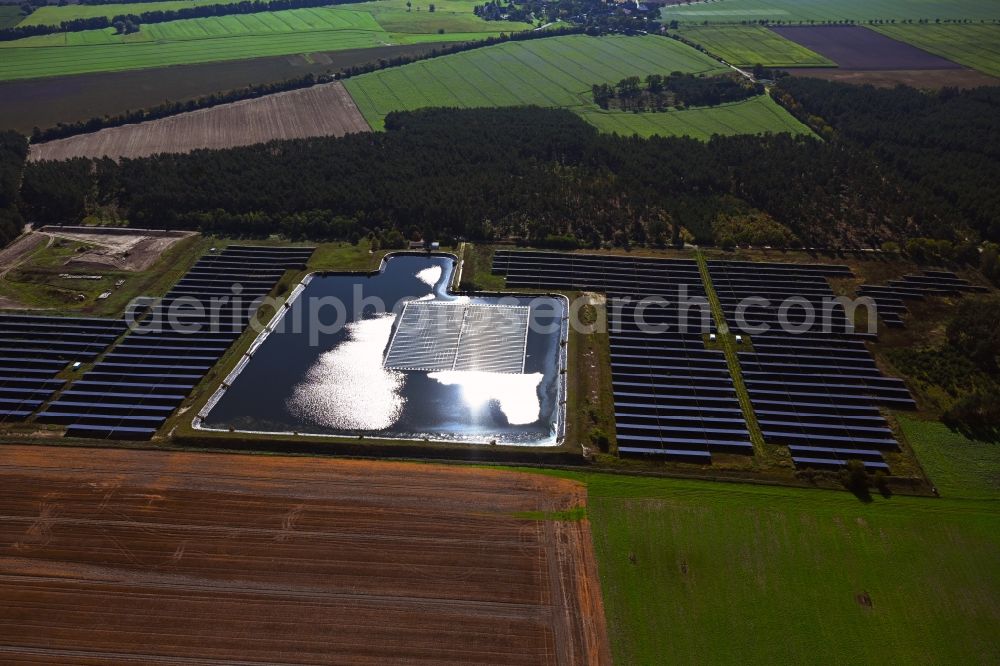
pixel 323 110
pixel 111 556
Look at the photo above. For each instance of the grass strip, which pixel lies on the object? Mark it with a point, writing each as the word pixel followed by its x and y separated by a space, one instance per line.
pixel 728 343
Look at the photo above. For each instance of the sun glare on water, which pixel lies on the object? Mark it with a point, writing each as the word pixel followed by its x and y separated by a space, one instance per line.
pixel 347 388
pixel 516 394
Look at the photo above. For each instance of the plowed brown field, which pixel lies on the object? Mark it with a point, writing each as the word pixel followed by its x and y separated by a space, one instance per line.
pixel 323 110
pixel 114 556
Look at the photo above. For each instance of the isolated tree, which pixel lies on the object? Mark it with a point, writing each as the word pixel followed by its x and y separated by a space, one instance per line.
pixel 431 7
pixel 409 5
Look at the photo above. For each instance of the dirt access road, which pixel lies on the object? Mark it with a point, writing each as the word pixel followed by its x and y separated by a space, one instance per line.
pixel 115 556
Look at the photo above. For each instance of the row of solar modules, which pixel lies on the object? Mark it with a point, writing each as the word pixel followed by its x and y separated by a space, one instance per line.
pixel 615 275
pixel 35 350
pixel 890 299
pixel 813 384
pixel 673 397
pixel 135 387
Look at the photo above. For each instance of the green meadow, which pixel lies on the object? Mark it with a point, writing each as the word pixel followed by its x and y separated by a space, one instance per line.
pixel 973 45
pixel 748 45
pixel 957 465
pixel 702 572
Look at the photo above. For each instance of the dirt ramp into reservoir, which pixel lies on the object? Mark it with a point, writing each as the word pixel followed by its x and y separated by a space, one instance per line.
pixel 322 110
pixel 113 556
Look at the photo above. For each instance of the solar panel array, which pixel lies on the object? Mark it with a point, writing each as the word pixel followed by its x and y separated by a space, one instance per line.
pixel 34 350
pixel 494 339
pixel 818 389
pixel 674 398
pixel 135 387
pixel 890 299
pixel 431 337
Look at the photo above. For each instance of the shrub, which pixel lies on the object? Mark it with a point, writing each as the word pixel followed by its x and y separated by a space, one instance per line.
pixel 599 438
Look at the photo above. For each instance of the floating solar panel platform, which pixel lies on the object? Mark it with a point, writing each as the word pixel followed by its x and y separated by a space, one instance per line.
pixel 458 336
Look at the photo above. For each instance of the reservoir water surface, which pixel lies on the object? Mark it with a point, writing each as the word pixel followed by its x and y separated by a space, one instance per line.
pixel 394 355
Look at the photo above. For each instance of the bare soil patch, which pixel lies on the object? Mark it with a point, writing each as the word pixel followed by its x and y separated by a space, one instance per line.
pixel 857 48
pixel 112 556
pixel 323 110
pixel 933 79
pixel 118 251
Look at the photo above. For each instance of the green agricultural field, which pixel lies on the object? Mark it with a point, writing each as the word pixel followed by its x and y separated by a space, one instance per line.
pixel 734 11
pixel 220 38
pixel 10 15
pixel 701 572
pixel 557 72
pixel 189 41
pixel 748 45
pixel 448 15
pixel 392 15
pixel 54 14
pixel 958 466
pixel 973 45
pixel 230 28
pixel 756 115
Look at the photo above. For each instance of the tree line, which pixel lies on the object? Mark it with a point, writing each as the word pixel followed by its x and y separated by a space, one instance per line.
pixel 658 92
pixel 13 153
pixel 127 23
pixel 63 130
pixel 479 174
pixel 944 145
pixel 597 16
pixel 75 25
